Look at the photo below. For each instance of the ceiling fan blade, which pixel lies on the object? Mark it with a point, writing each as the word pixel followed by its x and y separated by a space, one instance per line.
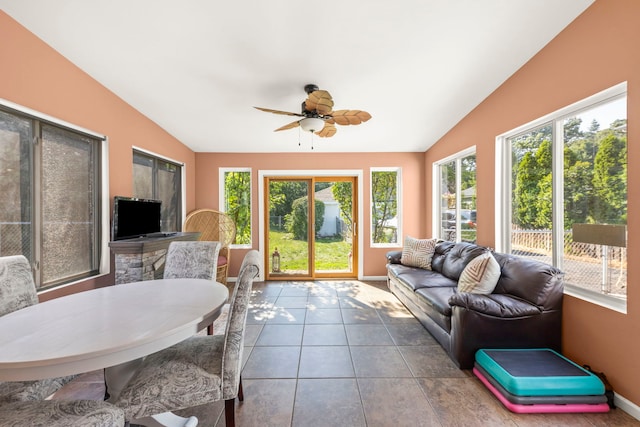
pixel 319 101
pixel 289 126
pixel 350 117
pixel 285 113
pixel 327 131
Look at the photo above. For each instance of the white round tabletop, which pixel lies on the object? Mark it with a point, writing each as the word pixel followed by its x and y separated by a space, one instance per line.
pixel 105 327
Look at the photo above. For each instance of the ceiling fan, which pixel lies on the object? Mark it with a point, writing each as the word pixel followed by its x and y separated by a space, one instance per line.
pixel 318 115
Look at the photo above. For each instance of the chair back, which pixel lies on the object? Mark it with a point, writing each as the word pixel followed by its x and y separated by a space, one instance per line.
pixel 212 225
pixel 17 288
pixel 192 260
pixel 217 227
pixel 234 335
pixel 17 291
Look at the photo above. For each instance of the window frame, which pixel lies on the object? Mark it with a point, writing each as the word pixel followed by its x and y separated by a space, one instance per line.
pixel 503 208
pixel 436 213
pixel 101 228
pixel 180 214
pixel 399 233
pixel 222 201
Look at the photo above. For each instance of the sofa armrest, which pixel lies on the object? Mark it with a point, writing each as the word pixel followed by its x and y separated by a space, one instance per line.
pixel 497 305
pixel 393 257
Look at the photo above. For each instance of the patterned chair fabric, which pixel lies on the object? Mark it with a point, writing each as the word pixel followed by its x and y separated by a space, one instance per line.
pixel 17 290
pixel 193 260
pixel 199 370
pixel 24 391
pixel 61 413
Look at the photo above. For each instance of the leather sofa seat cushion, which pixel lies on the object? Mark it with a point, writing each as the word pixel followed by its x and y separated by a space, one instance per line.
pixel 435 302
pixel 416 278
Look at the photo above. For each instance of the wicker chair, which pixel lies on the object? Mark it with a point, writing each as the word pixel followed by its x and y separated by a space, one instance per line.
pixel 217 227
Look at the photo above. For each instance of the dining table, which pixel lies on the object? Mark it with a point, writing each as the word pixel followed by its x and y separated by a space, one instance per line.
pixel 110 328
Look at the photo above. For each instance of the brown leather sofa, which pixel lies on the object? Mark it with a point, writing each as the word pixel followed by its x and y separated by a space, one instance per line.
pixel 524 310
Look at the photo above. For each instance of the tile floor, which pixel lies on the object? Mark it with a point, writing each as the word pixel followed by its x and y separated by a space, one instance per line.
pixel 347 353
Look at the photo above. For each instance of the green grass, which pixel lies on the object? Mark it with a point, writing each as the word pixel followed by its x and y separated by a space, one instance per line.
pixel 331 253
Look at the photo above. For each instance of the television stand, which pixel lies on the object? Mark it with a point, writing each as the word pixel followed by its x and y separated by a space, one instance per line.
pixel 143 258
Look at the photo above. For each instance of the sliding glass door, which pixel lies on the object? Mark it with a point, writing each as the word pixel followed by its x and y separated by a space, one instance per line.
pixel 310 229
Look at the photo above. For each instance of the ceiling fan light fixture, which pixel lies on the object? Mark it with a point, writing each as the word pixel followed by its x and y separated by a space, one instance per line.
pixel 311 124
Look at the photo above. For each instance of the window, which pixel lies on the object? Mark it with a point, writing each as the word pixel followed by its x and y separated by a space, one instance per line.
pixel 51 186
pixel 159 179
pixel 385 202
pixel 567 181
pixel 455 190
pixel 236 201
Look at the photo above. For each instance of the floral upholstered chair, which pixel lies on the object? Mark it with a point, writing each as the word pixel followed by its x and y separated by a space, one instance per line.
pixel 199 370
pixel 61 413
pixel 192 260
pixel 17 290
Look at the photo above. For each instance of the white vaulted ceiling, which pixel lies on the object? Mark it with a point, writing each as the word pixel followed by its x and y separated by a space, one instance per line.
pixel 197 67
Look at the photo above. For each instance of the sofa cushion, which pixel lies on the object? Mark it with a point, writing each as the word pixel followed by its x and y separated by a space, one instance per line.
pixel 481 275
pixel 418 252
pixel 435 303
pixel 457 258
pixel 415 278
pixel 439 254
pixel 533 281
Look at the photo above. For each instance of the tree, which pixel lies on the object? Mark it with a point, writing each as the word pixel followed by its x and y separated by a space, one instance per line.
pixel 237 190
pixel 578 188
pixel 343 193
pixel 610 180
pixel 282 195
pixel 384 204
pixel 297 220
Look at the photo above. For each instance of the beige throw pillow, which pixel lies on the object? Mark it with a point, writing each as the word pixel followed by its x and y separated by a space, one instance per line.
pixel 418 252
pixel 481 275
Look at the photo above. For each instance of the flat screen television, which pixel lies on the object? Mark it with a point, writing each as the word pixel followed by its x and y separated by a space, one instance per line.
pixel 135 217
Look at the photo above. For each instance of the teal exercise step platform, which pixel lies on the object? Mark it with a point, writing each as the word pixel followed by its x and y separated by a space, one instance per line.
pixel 538 372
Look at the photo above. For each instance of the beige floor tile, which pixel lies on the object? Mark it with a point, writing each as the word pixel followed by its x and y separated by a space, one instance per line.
pixel 379 362
pixel 430 361
pixel 395 400
pixel 273 335
pixel 368 335
pixel 328 402
pixel 324 335
pixel 272 362
pixel 326 362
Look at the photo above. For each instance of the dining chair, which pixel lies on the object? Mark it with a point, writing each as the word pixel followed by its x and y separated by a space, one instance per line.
pixel 61 413
pixel 191 260
pixel 18 290
pixel 199 370
pixel 214 226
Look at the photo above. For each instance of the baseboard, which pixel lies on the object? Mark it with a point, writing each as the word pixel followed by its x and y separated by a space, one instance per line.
pixel 370 278
pixel 627 406
pixel 374 278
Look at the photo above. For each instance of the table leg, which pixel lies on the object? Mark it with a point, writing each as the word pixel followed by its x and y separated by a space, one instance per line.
pixel 116 377
pixel 167 419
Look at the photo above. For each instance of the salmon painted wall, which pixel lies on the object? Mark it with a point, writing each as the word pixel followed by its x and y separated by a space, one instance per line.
pixel 412 164
pixel 597 51
pixel 34 75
